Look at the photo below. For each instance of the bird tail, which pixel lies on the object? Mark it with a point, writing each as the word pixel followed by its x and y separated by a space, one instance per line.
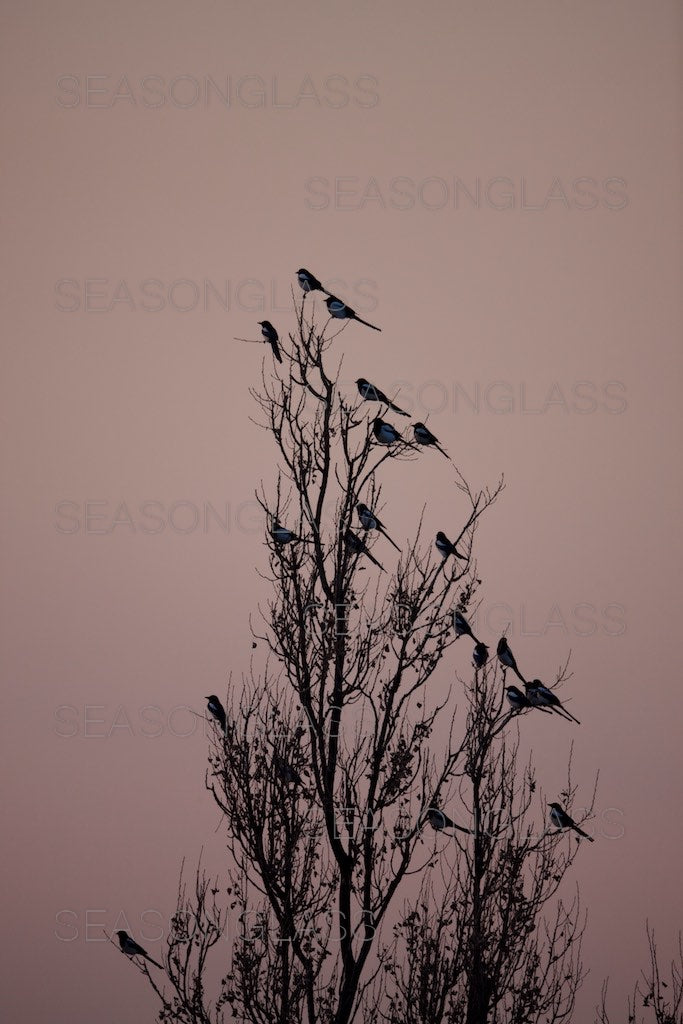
pixel 395 408
pixel 384 532
pixel 584 834
pixel 519 675
pixel 444 453
pixel 153 961
pixel 373 559
pixel 570 715
pixel 361 321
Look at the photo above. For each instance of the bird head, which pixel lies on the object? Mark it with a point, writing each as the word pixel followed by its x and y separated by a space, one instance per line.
pixel 419 426
pixel 212 698
pixel 122 935
pixel 362 508
pixel 301 270
pixel 441 536
pixel 361 382
pixel 502 645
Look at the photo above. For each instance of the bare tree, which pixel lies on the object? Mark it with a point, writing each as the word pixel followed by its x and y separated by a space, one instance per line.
pixel 661 1001
pixel 328 763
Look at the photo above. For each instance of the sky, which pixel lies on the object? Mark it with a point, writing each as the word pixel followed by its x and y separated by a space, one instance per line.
pixel 497 186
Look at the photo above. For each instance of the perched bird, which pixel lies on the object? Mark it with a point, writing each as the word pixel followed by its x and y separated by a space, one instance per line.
pixel 131 948
pixel 371 393
pixel 281 535
pixel 425 437
pixel 561 819
pixel 438 820
pixel 216 710
pixel 445 546
pixel 271 337
pixel 385 433
pixel 462 626
pixel 507 658
pixel 358 546
pixel 341 311
pixel 309 282
pixel 287 772
pixel 516 698
pixel 369 521
pixel 543 697
pixel 480 655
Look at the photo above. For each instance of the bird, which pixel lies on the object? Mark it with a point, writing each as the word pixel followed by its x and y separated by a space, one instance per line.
pixel 131 948
pixel 216 710
pixel 341 311
pixel 309 282
pixel 385 433
pixel 369 521
pixel 516 698
pixel 287 772
pixel 507 658
pixel 462 626
pixel 561 819
pixel 358 546
pixel 543 697
pixel 445 546
pixel 480 655
pixel 271 337
pixel 438 820
pixel 281 535
pixel 425 437
pixel 371 393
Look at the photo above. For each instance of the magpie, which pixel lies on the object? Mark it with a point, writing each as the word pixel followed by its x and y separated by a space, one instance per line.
pixel 271 337
pixel 369 521
pixel 287 772
pixel 438 820
pixel 543 697
pixel 309 282
pixel 281 535
pixel 131 948
pixel 371 393
pixel 445 546
pixel 425 437
pixel 561 820
pixel 480 655
pixel 341 311
pixel 462 627
pixel 507 658
pixel 358 546
pixel 516 698
pixel 217 711
pixel 385 433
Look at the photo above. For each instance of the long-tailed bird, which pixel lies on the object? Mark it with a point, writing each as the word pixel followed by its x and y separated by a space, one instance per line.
pixel 216 710
pixel 358 546
pixel 439 820
pixel 561 819
pixel 341 311
pixel 369 521
pixel 445 546
pixel 507 658
pixel 385 433
pixel 131 948
pixel 309 282
pixel 371 393
pixel 425 437
pixel 281 535
pixel 543 697
pixel 271 337
pixel 462 626
pixel 480 655
pixel 516 698
pixel 287 772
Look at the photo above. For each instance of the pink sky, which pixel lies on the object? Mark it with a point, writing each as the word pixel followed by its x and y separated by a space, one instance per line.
pixel 539 326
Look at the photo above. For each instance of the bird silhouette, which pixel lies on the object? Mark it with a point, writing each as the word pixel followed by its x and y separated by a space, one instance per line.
pixel 561 820
pixel 341 311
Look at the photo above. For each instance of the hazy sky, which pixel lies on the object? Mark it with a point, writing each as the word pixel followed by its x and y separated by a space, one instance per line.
pixel 497 186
